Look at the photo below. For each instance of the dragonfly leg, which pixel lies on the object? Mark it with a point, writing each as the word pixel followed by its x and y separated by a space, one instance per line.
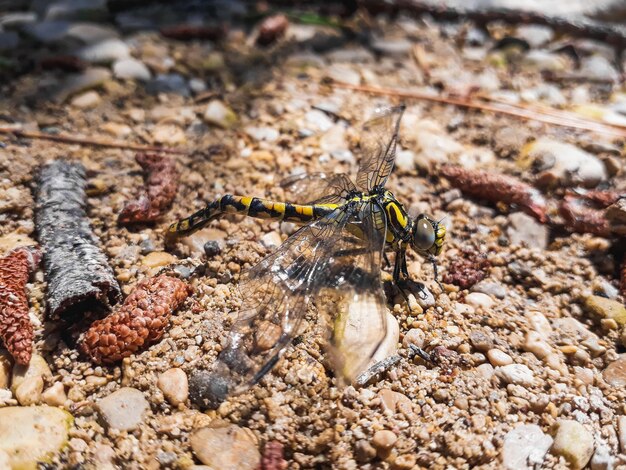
pixel 386 258
pixel 433 261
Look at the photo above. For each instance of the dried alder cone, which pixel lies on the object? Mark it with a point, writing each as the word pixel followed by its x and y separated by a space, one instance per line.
pixel 16 330
pixel 273 457
pixel 140 321
pixel 161 178
pixel 466 270
pixel 580 218
pixel 498 188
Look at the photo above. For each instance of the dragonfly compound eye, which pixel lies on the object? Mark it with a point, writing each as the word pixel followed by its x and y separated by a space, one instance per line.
pixel 423 234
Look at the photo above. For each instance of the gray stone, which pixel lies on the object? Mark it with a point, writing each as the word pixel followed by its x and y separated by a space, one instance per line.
pixel 89 33
pixel 524 447
pixel 130 68
pixel 197 85
pixel 47 32
pixel 490 288
pixel 168 83
pixel 123 410
pixel 525 230
pixel 598 67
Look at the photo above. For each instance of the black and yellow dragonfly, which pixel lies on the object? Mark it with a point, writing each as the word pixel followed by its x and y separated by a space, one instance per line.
pixel 333 262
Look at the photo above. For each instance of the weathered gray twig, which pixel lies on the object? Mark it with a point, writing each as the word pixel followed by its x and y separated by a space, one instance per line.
pixel 77 271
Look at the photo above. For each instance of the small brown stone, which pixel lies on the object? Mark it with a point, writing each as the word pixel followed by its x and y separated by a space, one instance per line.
pixel 384 441
pixel 615 373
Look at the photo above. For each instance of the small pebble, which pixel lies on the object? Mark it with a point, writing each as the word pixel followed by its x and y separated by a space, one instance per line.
pixel 384 440
pixel 517 374
pixel 481 341
pixel 174 385
pixel 227 447
pixel 55 395
pixel 535 344
pixel 479 300
pixel 621 434
pixel 123 410
pixel 573 442
pixel 615 373
pixel 6 364
pixel 414 336
pixel 156 259
pixel 603 308
pixel 220 115
pixel 28 392
pixel 525 447
pixel 89 99
pixel 364 451
pixel 499 358
pixel 37 367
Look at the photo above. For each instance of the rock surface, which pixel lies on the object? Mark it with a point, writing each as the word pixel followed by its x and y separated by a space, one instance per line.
pixel 29 435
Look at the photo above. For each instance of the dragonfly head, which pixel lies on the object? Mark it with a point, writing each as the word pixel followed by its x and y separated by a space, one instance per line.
pixel 427 235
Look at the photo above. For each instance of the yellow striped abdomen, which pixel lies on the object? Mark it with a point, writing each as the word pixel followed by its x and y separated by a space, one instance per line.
pixel 252 207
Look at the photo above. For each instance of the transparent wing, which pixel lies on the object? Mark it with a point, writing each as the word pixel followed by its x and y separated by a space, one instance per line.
pixel 275 295
pixel 352 301
pixel 319 188
pixel 378 148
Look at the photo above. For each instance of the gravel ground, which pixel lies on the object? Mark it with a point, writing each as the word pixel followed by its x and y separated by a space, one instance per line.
pixel 532 370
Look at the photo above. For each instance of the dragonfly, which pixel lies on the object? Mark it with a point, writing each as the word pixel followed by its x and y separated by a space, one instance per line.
pixel 332 264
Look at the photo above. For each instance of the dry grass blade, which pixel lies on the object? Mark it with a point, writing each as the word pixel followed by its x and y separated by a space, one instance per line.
pixel 556 117
pixel 91 141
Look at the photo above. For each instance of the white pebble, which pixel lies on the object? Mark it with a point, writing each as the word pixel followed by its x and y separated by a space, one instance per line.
pixel 478 300
pixel 174 385
pixel 524 447
pixel 55 395
pixel 518 374
pixel 499 358
pixel 535 344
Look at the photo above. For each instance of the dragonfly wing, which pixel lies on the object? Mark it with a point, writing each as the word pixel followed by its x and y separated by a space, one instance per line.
pixel 378 147
pixel 352 300
pixel 319 188
pixel 275 295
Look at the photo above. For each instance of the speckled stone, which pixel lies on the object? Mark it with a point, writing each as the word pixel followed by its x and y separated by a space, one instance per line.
pixel 123 410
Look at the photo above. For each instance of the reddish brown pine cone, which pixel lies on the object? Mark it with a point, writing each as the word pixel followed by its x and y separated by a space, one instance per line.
pixel 161 179
pixel 498 188
pixel 140 321
pixel 16 330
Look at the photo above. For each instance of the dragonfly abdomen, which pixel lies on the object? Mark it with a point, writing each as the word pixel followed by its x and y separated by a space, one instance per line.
pixel 252 207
